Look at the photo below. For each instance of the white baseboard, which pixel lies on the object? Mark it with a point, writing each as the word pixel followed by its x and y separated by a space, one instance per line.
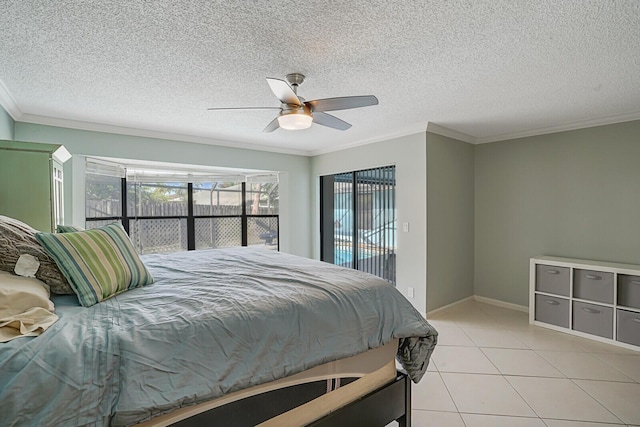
pixel 448 306
pixel 485 300
pixel 499 303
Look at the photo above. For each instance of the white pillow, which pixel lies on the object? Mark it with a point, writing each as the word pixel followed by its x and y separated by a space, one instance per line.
pixel 25 307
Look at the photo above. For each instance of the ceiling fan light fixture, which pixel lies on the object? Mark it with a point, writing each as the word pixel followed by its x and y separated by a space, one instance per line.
pixel 295 121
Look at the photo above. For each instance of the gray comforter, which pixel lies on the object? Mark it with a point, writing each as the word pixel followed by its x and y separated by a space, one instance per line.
pixel 213 322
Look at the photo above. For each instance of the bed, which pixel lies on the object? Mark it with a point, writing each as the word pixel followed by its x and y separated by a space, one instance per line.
pixel 219 328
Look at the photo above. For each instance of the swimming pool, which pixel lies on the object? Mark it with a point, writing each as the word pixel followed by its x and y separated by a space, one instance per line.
pixel 342 255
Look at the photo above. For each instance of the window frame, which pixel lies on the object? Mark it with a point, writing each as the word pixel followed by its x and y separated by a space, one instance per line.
pixel 126 217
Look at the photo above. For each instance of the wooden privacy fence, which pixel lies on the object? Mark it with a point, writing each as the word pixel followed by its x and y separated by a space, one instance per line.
pixel 110 208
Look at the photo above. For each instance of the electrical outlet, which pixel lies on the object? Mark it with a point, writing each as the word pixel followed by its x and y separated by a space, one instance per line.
pixel 410 292
pixel 405 227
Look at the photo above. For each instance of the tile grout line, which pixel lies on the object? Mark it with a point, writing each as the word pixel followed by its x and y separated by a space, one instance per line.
pixel 505 379
pixel 594 356
pixel 514 389
pixel 451 397
pixel 598 400
pixel 614 367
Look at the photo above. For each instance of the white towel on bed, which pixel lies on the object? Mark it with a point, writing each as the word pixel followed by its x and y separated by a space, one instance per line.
pixel 25 307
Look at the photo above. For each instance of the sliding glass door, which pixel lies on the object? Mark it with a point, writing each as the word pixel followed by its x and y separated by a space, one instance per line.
pixel 358 220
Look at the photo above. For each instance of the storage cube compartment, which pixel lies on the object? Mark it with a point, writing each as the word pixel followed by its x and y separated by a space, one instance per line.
pixel 593 285
pixel 552 310
pixel 628 327
pixel 629 290
pixel 551 279
pixel 593 319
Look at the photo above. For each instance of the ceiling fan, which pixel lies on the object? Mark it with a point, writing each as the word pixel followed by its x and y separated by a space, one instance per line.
pixel 296 113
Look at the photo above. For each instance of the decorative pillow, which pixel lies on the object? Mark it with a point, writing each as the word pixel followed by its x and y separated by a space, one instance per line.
pixel 25 307
pixel 17 238
pixel 98 263
pixel 68 228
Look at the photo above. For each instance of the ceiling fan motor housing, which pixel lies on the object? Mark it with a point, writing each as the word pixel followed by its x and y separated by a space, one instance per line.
pixel 295 80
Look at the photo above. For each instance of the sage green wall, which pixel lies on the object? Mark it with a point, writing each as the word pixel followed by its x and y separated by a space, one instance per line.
pixel 408 154
pixel 450 220
pixel 574 194
pixel 6 125
pixel 490 207
pixel 295 211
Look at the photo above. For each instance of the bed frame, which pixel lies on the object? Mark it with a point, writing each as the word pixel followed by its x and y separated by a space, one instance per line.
pixel 365 389
pixel 378 408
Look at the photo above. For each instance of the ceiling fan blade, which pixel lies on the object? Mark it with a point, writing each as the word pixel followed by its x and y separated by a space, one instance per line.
pixel 283 91
pixel 328 120
pixel 342 103
pixel 273 125
pixel 243 108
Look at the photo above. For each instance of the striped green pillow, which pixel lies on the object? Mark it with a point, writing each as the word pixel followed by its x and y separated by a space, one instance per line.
pixel 98 263
pixel 68 228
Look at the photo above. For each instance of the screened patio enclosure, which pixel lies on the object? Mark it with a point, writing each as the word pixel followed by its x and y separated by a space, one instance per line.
pixel 167 208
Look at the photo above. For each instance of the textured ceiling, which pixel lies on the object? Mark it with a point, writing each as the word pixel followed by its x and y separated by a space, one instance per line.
pixel 487 69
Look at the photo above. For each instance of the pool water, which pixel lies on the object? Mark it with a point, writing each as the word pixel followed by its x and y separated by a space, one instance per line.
pixel 343 256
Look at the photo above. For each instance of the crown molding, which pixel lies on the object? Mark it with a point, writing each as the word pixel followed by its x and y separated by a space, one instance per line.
pixel 384 137
pixel 602 121
pixel 9 103
pixel 450 133
pixel 148 133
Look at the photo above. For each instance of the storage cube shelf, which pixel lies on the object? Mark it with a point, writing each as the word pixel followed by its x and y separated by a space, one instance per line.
pixel 591 299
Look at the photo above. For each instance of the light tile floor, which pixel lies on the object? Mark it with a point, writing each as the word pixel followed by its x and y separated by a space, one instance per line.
pixel 491 368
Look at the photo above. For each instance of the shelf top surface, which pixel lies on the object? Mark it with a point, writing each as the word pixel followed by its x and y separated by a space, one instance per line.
pixel 590 264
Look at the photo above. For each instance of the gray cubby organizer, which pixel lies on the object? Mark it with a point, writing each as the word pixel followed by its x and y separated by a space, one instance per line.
pixel 591 299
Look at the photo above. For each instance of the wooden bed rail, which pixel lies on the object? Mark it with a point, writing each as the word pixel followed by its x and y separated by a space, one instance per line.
pixel 322 406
